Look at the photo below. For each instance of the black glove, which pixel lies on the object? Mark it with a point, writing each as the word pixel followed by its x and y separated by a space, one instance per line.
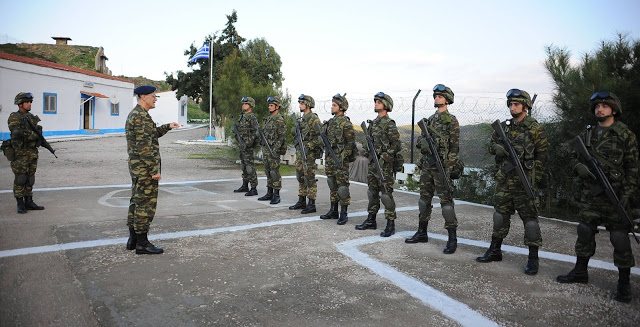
pixel 583 172
pixel 500 151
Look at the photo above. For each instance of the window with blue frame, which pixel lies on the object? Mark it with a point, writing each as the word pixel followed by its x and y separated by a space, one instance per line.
pixel 115 109
pixel 50 103
pixel 182 110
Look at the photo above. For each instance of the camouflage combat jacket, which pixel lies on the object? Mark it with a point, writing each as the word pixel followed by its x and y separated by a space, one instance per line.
pixel 445 131
pixel 386 138
pixel 274 130
pixel 616 150
pixel 342 137
pixel 530 142
pixel 310 137
pixel 248 130
pixel 22 136
pixel 142 142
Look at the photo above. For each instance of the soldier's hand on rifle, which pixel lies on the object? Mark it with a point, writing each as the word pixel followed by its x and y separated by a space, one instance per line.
pixel 500 151
pixel 386 157
pixel 624 202
pixel 583 172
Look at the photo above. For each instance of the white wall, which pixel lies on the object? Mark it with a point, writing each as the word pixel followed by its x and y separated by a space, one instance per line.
pixel 16 77
pixel 167 109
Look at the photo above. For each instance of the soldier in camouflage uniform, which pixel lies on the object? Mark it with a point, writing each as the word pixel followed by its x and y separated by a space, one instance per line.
pixel 339 131
pixel 530 143
pixel 24 145
pixel 249 135
pixel 144 167
pixel 615 147
pixel 445 131
pixel 274 131
pixel 386 140
pixel 307 183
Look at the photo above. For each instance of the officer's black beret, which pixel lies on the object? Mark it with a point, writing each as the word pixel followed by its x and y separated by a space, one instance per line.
pixel 144 89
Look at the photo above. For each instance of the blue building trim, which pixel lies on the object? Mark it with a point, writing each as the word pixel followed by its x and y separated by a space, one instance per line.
pixel 44 94
pixel 7 135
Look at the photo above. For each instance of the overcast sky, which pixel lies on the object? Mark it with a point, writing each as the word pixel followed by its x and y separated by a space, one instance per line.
pixel 358 47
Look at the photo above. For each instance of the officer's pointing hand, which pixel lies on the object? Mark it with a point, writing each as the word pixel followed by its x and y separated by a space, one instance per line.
pixel 156 177
pixel 174 125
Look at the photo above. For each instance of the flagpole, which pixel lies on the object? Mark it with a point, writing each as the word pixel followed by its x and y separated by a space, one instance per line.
pixel 210 137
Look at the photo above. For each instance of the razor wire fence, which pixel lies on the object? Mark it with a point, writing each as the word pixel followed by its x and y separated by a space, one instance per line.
pixel 475 113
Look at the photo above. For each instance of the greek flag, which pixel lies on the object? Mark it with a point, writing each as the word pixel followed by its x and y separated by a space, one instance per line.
pixel 202 53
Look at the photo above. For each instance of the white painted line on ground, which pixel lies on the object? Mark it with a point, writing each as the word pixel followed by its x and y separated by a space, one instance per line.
pixel 428 295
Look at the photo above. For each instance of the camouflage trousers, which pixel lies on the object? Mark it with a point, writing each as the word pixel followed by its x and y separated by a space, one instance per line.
pixel 142 206
pixel 272 170
pixel 373 181
pixel 602 213
pixel 307 183
pixel 506 201
pixel 24 171
pixel 248 169
pixel 430 182
pixel 337 179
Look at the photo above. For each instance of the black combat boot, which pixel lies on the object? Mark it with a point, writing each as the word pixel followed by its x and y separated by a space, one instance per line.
pixel 267 196
pixel 333 212
pixel 30 205
pixel 276 197
pixel 533 263
pixel 493 253
pixel 243 188
pixel 452 243
pixel 310 208
pixel 143 246
pixel 579 274
pixel 369 223
pixel 421 235
pixel 252 192
pixel 21 207
pixel 133 237
pixel 343 215
pixel 390 229
pixel 300 204
pixel 624 286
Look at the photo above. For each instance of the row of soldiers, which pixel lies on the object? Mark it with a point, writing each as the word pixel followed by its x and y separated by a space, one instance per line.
pixel 611 148
pixel 610 142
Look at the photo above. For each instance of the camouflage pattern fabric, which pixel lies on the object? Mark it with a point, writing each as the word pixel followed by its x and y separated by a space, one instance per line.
pixel 445 130
pixel 250 138
pixel 386 141
pixel 274 131
pixel 313 149
pixel 616 149
pixel 531 144
pixel 144 161
pixel 25 144
pixel 342 137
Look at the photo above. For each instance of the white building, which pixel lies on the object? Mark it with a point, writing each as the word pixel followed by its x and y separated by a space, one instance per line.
pixel 68 100
pixel 168 109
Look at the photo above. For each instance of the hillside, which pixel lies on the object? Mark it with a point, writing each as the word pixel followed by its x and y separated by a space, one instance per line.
pixel 79 56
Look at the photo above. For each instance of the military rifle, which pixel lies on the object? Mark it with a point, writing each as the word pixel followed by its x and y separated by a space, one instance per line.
pixel 264 139
pixel 327 145
pixel 515 162
pixel 602 179
pixel 41 139
pixel 373 155
pixel 300 145
pixel 436 155
pixel 238 138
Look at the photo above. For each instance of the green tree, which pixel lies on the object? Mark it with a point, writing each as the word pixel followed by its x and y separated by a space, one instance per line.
pixel 262 62
pixel 613 66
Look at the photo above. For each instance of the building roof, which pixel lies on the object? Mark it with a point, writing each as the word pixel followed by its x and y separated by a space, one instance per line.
pixel 48 64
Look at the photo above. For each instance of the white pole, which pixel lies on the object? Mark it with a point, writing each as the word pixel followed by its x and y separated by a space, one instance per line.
pixel 210 86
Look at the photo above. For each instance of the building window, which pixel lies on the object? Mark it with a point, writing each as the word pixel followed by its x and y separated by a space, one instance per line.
pixel 182 110
pixel 115 109
pixel 50 103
